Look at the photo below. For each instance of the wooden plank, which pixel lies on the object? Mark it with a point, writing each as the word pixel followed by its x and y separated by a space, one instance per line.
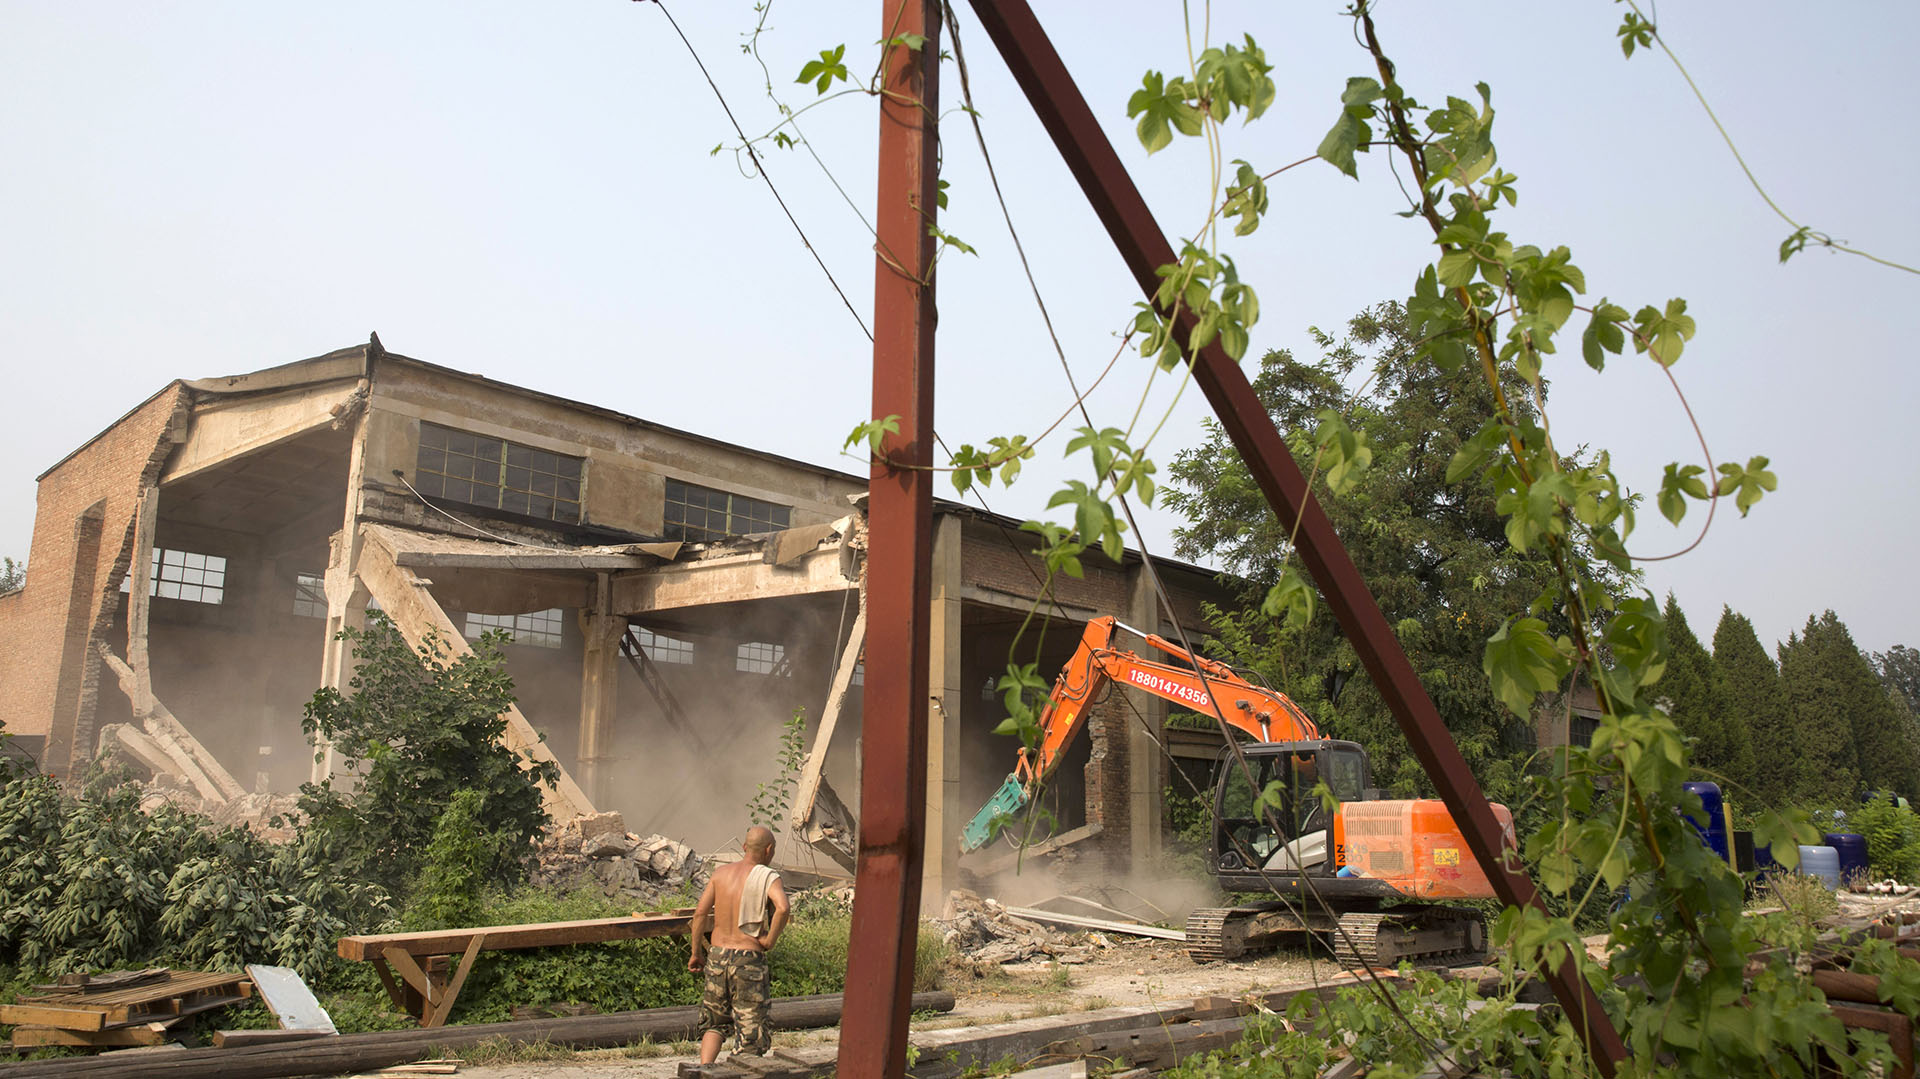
pixel 508 937
pixel 346 1053
pixel 47 1015
pixel 444 1006
pixel 234 1039
pixel 393 988
pixel 1136 929
pixel 1898 1029
pixel 179 1008
pixel 144 1034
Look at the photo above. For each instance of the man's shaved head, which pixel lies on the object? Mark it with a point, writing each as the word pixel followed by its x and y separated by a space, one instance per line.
pixel 758 839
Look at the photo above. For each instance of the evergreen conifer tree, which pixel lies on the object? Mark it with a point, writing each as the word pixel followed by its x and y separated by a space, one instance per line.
pixel 1882 749
pixel 1822 688
pixel 1723 743
pixel 1747 684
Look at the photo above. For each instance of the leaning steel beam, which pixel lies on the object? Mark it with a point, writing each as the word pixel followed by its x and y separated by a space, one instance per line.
pixel 893 801
pixel 1091 158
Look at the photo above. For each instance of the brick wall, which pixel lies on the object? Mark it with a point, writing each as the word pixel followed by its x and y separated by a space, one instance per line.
pixel 82 535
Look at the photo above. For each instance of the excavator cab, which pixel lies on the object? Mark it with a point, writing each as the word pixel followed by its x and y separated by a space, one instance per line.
pixel 1296 834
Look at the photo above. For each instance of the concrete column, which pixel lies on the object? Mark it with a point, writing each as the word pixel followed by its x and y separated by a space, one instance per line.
pixel 946 681
pixel 599 684
pixel 139 603
pixel 346 596
pixel 346 609
pixel 1146 768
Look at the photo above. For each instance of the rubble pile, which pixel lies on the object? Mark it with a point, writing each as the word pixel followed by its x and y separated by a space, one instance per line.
pixel 983 931
pixel 272 817
pixel 597 850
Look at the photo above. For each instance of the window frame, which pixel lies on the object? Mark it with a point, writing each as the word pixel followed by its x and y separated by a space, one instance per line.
pixel 690 517
pixel 531 629
pixel 525 481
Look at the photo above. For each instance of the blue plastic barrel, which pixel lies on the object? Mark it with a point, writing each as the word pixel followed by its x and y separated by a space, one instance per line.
pixel 1713 830
pixel 1852 849
pixel 1821 862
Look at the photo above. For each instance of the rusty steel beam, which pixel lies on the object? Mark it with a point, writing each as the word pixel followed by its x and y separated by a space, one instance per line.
pixel 893 737
pixel 1037 67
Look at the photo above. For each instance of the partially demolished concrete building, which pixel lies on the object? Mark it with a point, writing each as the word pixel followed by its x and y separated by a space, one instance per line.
pixel 672 601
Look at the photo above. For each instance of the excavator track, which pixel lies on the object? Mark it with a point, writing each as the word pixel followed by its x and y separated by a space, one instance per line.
pixel 1206 935
pixel 1418 934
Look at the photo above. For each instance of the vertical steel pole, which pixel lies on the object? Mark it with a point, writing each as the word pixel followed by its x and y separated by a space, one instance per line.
pixel 893 786
pixel 1091 158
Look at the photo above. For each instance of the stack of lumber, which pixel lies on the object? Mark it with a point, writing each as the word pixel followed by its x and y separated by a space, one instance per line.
pixel 121 1008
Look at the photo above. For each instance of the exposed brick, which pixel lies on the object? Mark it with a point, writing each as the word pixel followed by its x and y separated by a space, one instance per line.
pixel 82 535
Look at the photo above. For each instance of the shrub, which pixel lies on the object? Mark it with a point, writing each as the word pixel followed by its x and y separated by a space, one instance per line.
pixel 92 883
pixel 451 888
pixel 1892 832
pixel 425 728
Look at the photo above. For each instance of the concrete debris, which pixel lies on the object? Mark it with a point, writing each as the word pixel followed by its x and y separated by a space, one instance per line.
pixel 585 852
pixel 255 812
pixel 984 931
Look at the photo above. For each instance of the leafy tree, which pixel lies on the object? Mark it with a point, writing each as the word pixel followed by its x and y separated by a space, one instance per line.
pixel 1899 668
pixel 1436 555
pixel 12 574
pixel 419 729
pixel 1746 684
pixel 1723 743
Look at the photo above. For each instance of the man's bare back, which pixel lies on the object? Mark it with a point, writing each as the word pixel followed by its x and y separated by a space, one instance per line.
pixel 720 903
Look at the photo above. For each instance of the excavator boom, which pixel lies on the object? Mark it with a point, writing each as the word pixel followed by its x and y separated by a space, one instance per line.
pixel 1207 687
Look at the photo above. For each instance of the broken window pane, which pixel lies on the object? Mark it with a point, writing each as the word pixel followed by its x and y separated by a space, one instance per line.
pixel 309 595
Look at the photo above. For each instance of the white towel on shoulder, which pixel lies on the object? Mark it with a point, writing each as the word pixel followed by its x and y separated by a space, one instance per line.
pixel 753 899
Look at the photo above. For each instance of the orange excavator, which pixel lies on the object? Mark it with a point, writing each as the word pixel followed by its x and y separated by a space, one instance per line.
pixel 1342 876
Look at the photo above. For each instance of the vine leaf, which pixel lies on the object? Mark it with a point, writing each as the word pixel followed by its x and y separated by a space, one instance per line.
pixel 824 71
pixel 1162 107
pixel 1350 132
pixel 873 433
pixel 1521 662
pixel 1678 485
pixel 1290 597
pixel 1603 334
pixel 1664 333
pixel 1344 453
pixel 1746 483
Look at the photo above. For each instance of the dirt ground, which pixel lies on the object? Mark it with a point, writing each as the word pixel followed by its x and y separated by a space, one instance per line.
pixel 1130 971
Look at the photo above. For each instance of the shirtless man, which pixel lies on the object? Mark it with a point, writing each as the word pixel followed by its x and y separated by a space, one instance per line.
pixel 736 992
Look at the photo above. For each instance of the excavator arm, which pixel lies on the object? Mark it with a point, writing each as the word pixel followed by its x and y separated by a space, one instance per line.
pixel 1263 713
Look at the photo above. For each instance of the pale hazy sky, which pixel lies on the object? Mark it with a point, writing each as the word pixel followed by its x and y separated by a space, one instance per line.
pixel 526 191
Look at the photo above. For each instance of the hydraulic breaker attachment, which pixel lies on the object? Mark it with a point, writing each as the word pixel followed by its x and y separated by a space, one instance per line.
pixel 1008 800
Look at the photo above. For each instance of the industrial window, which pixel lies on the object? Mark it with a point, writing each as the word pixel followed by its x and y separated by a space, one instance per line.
pixel 541 629
pixel 309 595
pixel 696 513
pixel 480 470
pixel 196 578
pixel 859 673
pixel 663 649
pixel 758 657
pixel 1581 729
